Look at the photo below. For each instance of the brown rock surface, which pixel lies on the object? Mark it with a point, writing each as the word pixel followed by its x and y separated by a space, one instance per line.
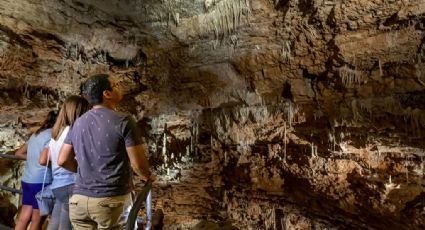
pixel 280 114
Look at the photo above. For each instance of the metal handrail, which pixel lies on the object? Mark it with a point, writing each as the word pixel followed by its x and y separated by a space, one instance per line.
pixel 9 156
pixel 13 190
pixel 132 216
pixel 12 157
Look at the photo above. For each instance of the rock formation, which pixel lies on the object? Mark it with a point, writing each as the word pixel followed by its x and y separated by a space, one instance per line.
pixel 261 114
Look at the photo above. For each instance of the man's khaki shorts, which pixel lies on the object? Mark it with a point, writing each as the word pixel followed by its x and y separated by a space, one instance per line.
pixel 98 213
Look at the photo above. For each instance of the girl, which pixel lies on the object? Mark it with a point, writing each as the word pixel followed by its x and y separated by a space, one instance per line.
pixel 63 180
pixel 33 175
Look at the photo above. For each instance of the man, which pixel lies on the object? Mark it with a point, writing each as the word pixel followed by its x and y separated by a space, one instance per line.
pixel 102 144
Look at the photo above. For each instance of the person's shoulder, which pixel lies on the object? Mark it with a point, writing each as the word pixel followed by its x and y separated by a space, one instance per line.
pixel 46 132
pixel 119 115
pixel 83 118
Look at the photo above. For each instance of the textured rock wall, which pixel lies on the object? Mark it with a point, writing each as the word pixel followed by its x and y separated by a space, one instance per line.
pixel 268 114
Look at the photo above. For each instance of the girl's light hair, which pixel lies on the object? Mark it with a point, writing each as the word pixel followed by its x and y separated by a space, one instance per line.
pixel 72 108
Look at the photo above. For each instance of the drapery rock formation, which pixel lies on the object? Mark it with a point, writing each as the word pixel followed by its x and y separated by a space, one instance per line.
pixel 258 114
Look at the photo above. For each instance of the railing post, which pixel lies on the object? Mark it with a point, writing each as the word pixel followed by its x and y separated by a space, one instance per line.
pixel 141 197
pixel 149 211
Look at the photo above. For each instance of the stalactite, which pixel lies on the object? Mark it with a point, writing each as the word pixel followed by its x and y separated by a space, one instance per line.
pixel 366 105
pixel 317 114
pixel 225 18
pixel 177 18
pixel 416 118
pixel 349 76
pixel 286 51
pixel 354 109
pixel 419 67
pixel 310 32
pixel 26 90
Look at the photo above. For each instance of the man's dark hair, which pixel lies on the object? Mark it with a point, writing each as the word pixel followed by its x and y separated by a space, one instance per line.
pixel 94 86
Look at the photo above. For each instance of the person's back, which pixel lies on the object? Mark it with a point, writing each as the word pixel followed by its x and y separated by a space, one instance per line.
pixel 33 171
pixel 63 180
pixel 101 146
pixel 34 174
pixel 100 139
pixel 61 176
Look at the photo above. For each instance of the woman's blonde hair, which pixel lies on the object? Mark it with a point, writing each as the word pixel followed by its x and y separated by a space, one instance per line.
pixel 72 108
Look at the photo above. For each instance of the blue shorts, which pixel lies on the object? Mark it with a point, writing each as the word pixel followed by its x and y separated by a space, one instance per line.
pixel 28 193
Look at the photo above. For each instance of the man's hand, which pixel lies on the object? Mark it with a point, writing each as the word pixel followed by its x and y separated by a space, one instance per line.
pixel 151 178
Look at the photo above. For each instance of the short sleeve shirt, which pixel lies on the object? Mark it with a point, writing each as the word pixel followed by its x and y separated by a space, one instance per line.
pixel 33 171
pixel 99 139
pixel 61 176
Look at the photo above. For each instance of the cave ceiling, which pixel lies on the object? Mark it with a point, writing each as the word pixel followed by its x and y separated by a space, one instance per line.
pixel 267 112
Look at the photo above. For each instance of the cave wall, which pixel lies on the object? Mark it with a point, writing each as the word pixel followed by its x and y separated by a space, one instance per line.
pixel 268 114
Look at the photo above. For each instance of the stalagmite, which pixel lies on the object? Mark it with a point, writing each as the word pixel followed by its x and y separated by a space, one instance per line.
pixel 290 114
pixel 313 150
pixel 211 144
pixel 164 141
pixel 191 140
pixel 406 168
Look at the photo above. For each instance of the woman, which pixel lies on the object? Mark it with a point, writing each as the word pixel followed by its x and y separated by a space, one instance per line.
pixel 63 180
pixel 33 175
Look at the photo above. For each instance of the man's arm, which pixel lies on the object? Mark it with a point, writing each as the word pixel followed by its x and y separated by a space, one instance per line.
pixel 21 153
pixel 66 158
pixel 42 160
pixel 139 162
